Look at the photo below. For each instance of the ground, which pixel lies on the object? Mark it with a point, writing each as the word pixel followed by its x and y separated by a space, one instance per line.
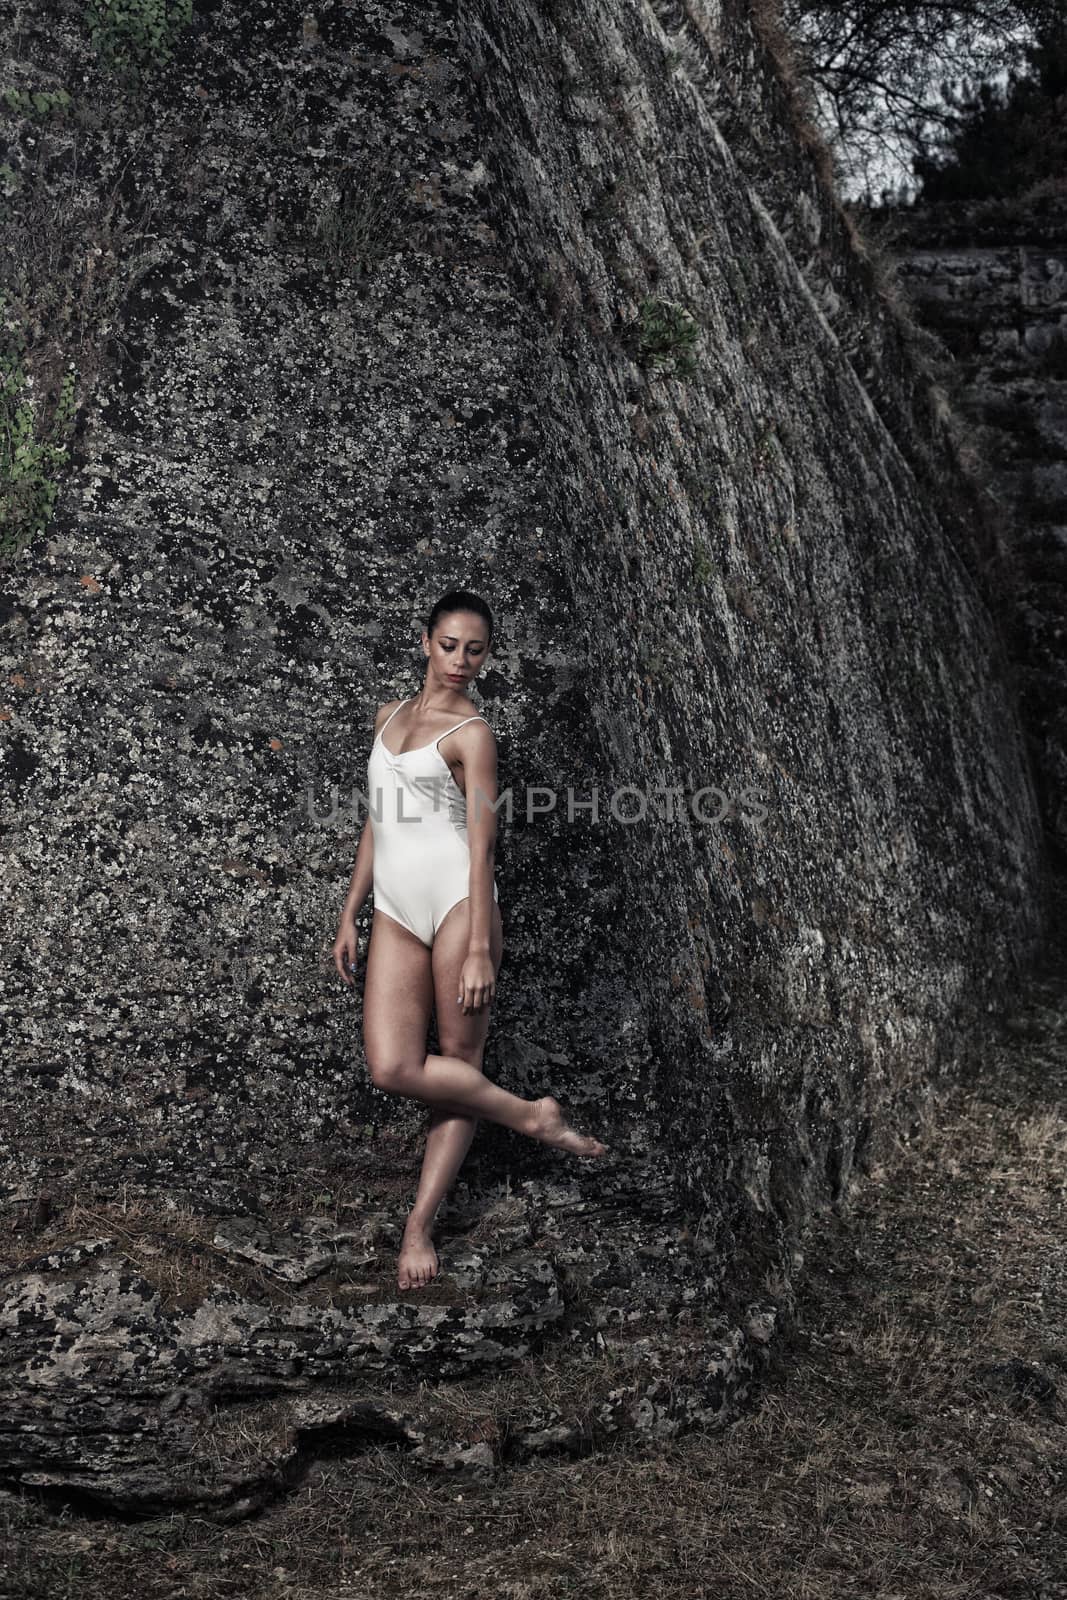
pixel 908 1442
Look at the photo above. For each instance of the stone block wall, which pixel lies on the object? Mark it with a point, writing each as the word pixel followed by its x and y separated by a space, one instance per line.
pixel 990 280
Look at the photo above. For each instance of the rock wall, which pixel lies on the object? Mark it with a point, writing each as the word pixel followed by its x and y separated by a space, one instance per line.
pixel 696 184
pixel 990 280
pixel 397 333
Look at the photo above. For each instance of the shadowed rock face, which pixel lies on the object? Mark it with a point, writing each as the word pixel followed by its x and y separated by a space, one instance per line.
pixel 389 339
pixel 990 279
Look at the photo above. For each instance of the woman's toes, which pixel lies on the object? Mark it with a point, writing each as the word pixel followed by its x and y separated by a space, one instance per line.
pixel 417 1262
pixel 552 1129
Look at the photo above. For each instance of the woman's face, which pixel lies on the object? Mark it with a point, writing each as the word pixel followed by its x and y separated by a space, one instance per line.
pixel 459 648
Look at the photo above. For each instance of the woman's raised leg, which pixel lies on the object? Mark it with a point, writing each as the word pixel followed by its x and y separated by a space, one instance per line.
pixel 396 1000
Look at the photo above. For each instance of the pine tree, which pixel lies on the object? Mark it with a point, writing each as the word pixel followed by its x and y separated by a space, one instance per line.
pixel 1004 139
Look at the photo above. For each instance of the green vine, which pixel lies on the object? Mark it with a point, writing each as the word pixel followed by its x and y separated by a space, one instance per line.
pixel 131 35
pixel 29 463
pixel 36 102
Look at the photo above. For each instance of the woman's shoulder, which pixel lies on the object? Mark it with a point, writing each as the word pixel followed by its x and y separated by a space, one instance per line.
pixel 385 711
pixel 478 726
pixel 473 737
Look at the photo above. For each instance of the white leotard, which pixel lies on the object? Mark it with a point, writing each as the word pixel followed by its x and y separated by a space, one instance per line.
pixel 418 815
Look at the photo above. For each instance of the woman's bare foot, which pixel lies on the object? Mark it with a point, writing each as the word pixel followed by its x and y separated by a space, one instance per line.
pixel 550 1128
pixel 417 1263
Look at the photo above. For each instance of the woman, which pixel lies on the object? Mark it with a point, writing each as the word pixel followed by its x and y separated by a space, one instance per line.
pixel 436 934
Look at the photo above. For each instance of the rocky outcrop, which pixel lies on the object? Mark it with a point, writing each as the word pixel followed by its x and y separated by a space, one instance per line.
pixel 990 280
pixel 419 311
pixel 135 1376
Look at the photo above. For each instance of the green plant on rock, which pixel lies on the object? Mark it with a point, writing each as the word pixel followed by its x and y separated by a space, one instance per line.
pixel 703 569
pixel 664 335
pixel 31 456
pixel 36 102
pixel 767 445
pixel 664 663
pixel 357 227
pixel 132 35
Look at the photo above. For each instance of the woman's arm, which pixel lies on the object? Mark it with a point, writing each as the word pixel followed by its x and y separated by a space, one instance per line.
pixel 480 786
pixel 362 879
pixel 346 945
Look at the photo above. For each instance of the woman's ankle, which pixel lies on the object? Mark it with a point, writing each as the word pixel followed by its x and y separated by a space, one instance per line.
pixel 536 1121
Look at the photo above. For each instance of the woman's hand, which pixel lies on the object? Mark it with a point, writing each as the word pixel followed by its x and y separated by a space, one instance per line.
pixel 346 951
pixel 477 982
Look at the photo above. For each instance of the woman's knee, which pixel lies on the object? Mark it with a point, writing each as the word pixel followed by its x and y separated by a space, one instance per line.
pixel 392 1073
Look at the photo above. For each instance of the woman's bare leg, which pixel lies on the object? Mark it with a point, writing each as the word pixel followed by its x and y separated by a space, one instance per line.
pixel 398 997
pixel 457 1086
pixel 447 1143
pixel 451 1132
pixel 402 975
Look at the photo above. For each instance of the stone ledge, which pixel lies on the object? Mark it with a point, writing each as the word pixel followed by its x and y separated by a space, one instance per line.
pixel 120 1391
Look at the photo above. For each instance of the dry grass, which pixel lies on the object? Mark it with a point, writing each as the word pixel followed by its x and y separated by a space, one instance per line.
pixel 75 246
pixel 890 1455
pixel 72 257
pixel 786 56
pixel 173 1248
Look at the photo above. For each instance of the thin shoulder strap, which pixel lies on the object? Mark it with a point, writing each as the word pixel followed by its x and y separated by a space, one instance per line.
pixel 390 717
pixel 462 724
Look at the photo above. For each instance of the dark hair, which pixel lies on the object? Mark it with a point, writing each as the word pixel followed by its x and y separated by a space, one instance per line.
pixel 460 600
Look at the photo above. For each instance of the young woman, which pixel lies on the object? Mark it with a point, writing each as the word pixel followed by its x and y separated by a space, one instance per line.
pixel 427 849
